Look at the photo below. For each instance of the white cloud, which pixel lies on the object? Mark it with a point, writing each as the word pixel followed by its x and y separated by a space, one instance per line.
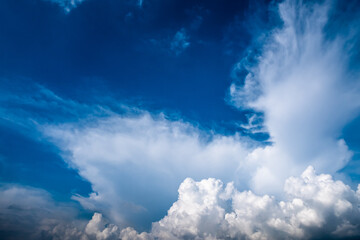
pixel 302 85
pixel 134 163
pixel 316 206
pixel 100 229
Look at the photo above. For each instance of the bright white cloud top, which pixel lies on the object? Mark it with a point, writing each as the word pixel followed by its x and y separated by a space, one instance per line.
pixel 315 206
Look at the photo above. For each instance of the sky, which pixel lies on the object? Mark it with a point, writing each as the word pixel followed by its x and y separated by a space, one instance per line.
pixel 156 119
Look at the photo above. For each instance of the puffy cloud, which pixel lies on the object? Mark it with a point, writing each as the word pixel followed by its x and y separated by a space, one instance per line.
pixel 315 206
pixel 302 83
pixel 127 158
pixel 100 229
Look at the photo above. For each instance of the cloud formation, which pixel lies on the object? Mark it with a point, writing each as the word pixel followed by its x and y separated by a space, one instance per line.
pixel 148 153
pixel 30 213
pixel 316 206
pixel 302 83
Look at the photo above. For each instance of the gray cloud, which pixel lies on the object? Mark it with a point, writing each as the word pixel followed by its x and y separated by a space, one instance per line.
pixel 30 213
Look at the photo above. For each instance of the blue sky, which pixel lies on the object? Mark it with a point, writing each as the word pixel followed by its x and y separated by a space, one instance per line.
pixel 163 119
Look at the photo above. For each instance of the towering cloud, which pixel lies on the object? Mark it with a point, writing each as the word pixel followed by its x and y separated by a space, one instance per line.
pixel 134 162
pixel 303 83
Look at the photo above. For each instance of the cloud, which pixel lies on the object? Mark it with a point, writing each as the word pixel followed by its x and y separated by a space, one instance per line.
pixel 151 154
pixel 68 5
pixel 180 42
pixel 302 83
pixel 118 153
pixel 174 45
pixel 31 213
pixel 316 206
pixel 100 229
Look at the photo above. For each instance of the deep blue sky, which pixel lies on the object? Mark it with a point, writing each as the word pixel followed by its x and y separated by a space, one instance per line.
pixel 124 51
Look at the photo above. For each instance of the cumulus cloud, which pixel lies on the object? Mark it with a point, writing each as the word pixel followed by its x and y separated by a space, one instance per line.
pixel 68 5
pixel 302 84
pixel 316 206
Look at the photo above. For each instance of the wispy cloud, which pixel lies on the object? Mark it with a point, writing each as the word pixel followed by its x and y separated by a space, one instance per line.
pixel 301 82
pixel 180 42
pixel 173 45
pixel 68 5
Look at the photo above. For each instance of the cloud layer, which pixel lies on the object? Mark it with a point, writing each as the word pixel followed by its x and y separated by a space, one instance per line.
pixel 315 206
pixel 30 213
